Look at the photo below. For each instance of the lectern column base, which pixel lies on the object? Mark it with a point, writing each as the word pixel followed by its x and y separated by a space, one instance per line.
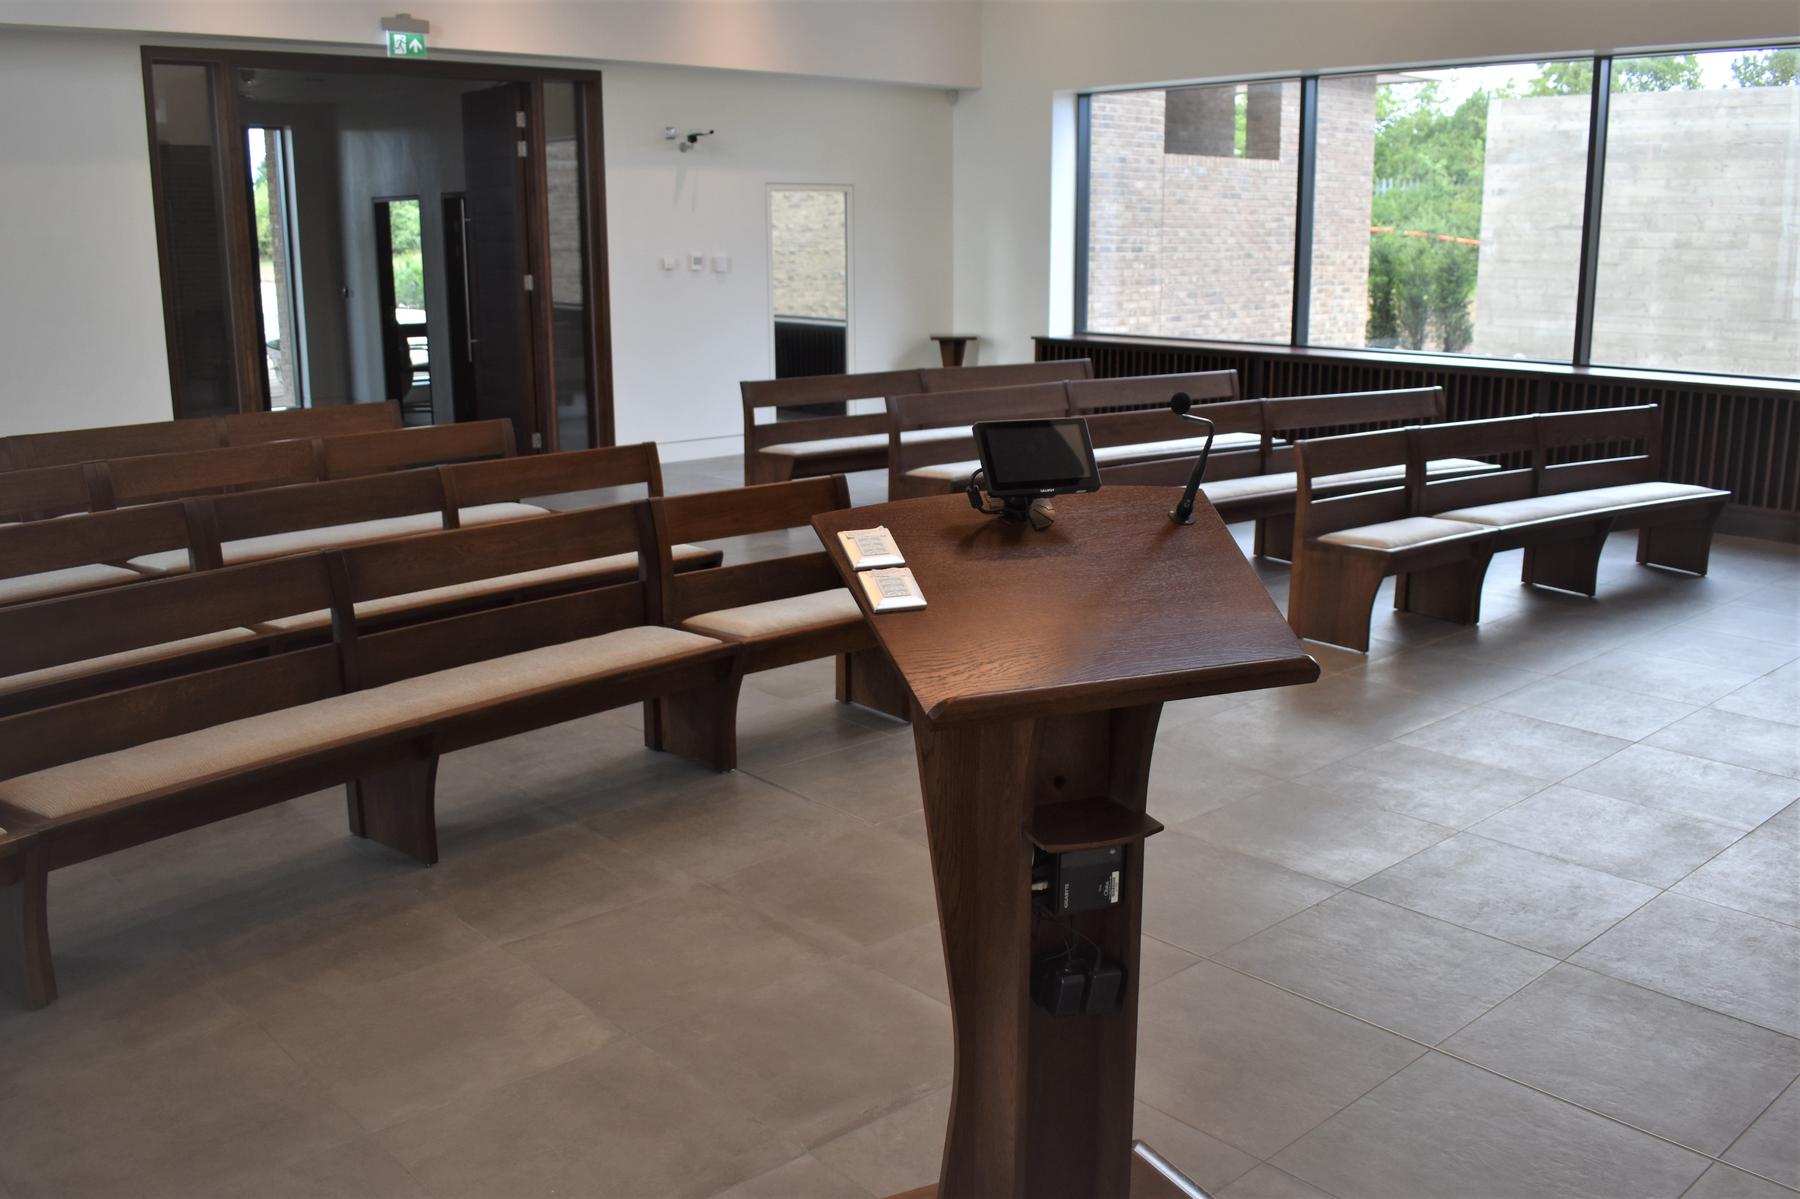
pixel 1151 1178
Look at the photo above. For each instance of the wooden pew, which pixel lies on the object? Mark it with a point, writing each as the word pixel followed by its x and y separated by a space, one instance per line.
pixel 374 710
pixel 944 460
pixel 46 558
pixel 776 610
pixel 39 492
pixel 826 445
pixel 21 451
pixel 1437 533
pixel 1091 397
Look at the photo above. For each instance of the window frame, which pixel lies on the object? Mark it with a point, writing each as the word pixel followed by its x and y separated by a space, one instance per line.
pixel 1587 266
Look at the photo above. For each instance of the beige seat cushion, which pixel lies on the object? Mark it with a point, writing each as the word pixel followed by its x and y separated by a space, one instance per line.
pixel 619 564
pixel 1404 533
pixel 1255 486
pixel 862 441
pixel 356 532
pixel 772 617
pixel 1573 503
pixel 131 657
pixel 340 720
pixel 19 588
pixel 959 473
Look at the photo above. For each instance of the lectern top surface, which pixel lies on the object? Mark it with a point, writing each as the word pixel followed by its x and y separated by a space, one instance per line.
pixel 1113 605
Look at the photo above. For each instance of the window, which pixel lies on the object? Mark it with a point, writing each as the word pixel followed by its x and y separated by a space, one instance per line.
pixel 1459 210
pixel 270 157
pixel 1191 199
pixel 1699 252
pixel 1447 211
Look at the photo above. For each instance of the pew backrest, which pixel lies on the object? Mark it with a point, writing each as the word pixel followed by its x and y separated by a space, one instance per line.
pixel 399 449
pixel 1093 396
pixel 64 447
pixel 1006 374
pixel 43 491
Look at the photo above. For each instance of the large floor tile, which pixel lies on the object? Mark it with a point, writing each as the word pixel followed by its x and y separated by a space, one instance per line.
pixel 1662 1064
pixel 1540 903
pixel 832 1048
pixel 1627 715
pixel 1682 782
pixel 1266 1182
pixel 1748 741
pixel 1771 1146
pixel 667 958
pixel 1388 965
pixel 358 1170
pixel 845 893
pixel 875 780
pixel 1759 875
pixel 1774 696
pixel 1723 1182
pixel 1640 669
pixel 401 1046
pixel 1647 845
pixel 1721 959
pixel 1250 1064
pixel 1517 743
pixel 806 1177
pixel 1442 789
pixel 1753 621
pixel 1186 782
pixel 164 1118
pixel 714 825
pixel 1432 671
pixel 621 1122
pixel 1316 832
pixel 1442 1128
pixel 896 1152
pixel 1710 647
pixel 1206 1161
pixel 1201 898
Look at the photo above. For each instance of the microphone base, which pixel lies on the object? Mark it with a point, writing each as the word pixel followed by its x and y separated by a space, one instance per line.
pixel 1176 516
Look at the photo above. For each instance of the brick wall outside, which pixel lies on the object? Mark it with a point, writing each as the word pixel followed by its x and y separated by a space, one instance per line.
pixel 1191 245
pixel 809 253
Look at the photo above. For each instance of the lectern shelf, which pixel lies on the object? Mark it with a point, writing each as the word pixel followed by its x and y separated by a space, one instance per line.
pixel 1036 677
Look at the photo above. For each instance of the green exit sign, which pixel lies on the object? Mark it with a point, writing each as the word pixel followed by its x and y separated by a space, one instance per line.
pixel 405 45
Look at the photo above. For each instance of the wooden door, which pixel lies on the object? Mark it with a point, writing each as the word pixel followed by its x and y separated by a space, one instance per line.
pixel 499 262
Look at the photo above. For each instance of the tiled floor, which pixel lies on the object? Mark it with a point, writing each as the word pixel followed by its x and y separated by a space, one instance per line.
pixel 1497 912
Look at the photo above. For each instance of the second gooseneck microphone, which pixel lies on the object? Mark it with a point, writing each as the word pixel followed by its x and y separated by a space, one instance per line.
pixel 1181 404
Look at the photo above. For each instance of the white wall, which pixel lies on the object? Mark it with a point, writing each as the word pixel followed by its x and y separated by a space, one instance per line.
pixel 1015 135
pixel 682 341
pixel 81 331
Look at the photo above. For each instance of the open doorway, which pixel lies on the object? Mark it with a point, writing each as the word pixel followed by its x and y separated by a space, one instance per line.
pixel 346 230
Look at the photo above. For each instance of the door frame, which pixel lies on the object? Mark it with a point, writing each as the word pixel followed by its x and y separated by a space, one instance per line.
pixel 233 179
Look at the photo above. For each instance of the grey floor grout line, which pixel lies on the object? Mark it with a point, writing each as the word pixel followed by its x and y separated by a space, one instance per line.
pixel 1429 1048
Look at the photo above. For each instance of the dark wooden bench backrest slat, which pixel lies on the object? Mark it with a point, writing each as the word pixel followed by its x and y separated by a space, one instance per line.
pixel 82 728
pixel 42 491
pixel 151 477
pixel 1008 374
pixel 385 568
pixel 1466 491
pixel 327 420
pixel 751 582
pixel 472 483
pixel 1413 405
pixel 74 628
pixel 1091 396
pixel 1159 424
pixel 398 449
pixel 825 389
pixel 735 512
pixel 319 505
pixel 950 409
pixel 89 538
pixel 1478 438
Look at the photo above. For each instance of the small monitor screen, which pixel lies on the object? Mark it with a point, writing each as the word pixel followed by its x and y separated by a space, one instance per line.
pixel 1036 456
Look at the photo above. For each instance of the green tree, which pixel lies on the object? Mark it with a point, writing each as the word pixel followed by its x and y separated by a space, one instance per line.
pixel 1575 77
pixel 1767 68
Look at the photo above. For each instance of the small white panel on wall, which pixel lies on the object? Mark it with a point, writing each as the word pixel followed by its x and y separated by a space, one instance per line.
pixel 721 264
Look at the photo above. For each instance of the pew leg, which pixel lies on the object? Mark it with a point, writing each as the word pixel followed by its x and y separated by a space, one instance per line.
pixel 1566 565
pixel 25 965
pixel 700 725
pixel 1275 538
pixel 866 677
pixel 1685 546
pixel 1449 592
pixel 1331 597
pixel 767 468
pixel 397 807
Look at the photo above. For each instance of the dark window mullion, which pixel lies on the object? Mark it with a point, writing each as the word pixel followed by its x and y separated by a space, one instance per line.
pixel 1303 210
pixel 1084 144
pixel 1588 265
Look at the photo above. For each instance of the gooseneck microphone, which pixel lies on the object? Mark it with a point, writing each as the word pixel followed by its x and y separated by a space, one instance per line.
pixel 1181 405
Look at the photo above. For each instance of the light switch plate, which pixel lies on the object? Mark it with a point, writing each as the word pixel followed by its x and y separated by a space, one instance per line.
pixel 696 262
pixel 721 264
pixel 668 262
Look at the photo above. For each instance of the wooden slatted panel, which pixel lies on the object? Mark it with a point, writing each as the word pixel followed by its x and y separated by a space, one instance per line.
pixel 1743 439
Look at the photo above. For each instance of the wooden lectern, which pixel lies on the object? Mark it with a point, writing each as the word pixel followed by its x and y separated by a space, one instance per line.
pixel 1036 673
